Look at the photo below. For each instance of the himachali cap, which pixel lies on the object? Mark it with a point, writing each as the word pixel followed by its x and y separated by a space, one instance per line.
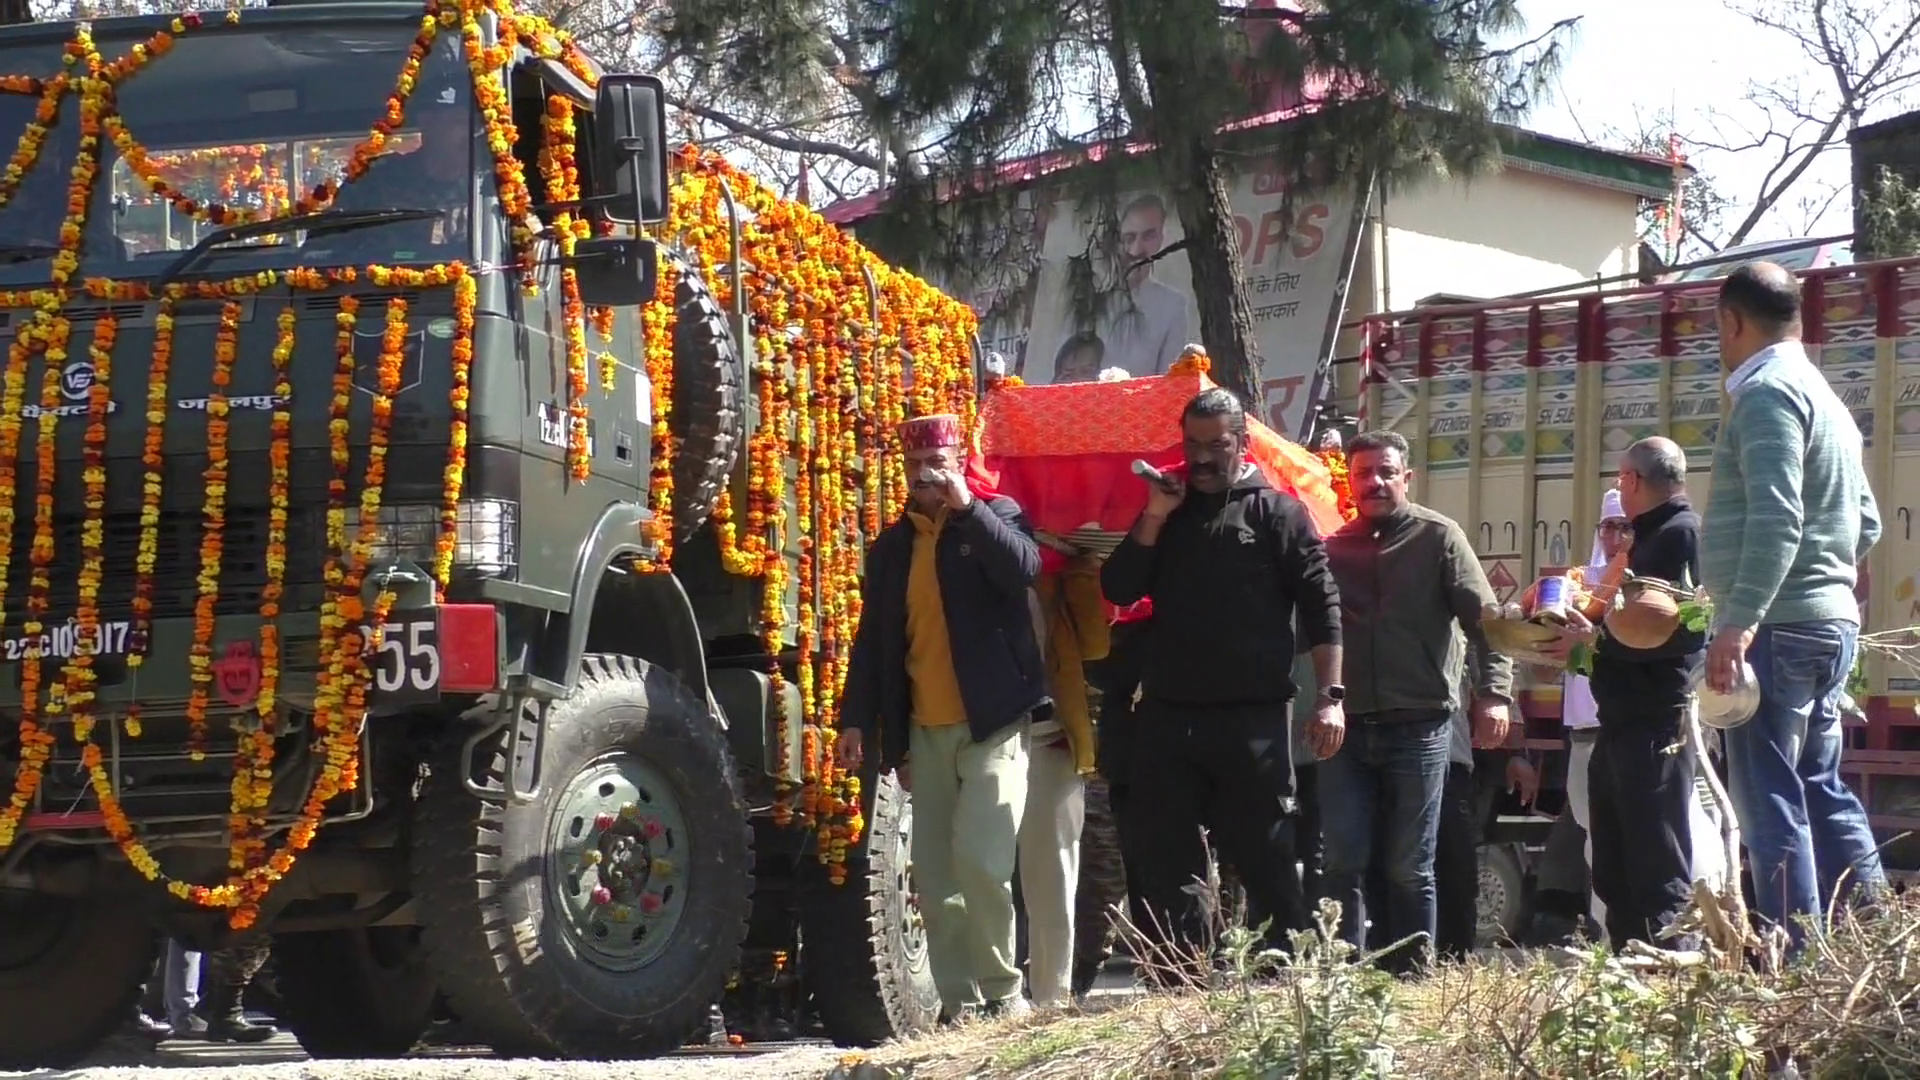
pixel 927 432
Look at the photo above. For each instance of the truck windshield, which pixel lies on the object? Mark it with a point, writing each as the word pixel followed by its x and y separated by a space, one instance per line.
pixel 248 120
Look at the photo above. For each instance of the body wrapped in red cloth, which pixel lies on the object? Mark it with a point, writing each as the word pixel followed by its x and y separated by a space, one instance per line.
pixel 1065 454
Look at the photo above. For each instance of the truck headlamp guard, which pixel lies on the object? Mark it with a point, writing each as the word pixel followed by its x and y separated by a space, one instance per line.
pixel 486 534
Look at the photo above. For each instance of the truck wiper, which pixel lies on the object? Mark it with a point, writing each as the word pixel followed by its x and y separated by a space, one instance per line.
pixel 16 253
pixel 316 223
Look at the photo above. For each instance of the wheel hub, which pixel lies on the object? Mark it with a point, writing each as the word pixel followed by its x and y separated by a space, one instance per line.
pixel 619 841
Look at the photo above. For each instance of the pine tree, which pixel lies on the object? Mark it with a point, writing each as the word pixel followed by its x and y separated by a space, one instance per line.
pixel 1388 90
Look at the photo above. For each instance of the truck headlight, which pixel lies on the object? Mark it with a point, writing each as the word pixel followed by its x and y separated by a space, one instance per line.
pixel 486 533
pixel 486 536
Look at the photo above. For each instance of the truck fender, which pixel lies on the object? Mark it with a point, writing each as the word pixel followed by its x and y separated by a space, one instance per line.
pixel 615 610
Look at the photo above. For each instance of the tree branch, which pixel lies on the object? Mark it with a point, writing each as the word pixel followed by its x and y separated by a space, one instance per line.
pixel 793 144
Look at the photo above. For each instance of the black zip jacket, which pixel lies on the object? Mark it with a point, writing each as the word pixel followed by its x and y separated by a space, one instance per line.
pixel 1631 684
pixel 986 560
pixel 1227 575
pixel 1405 583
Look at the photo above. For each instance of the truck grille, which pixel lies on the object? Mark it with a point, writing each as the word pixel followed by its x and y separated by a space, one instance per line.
pixel 243 566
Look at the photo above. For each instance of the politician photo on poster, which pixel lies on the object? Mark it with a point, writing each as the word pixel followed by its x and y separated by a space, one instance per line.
pixel 1148 321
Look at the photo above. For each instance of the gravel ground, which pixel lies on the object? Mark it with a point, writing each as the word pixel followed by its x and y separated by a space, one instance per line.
pixel 281 1059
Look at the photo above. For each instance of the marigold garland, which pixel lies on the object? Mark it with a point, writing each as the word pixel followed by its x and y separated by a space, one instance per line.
pixel 213 526
pixel 829 379
pixel 459 396
pixel 831 396
pixel 1336 462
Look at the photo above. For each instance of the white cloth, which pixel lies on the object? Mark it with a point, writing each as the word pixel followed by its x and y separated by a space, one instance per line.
pixel 1579 756
pixel 1050 869
pixel 1577 708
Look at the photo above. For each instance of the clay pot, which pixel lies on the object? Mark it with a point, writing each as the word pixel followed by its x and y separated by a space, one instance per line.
pixel 1646 617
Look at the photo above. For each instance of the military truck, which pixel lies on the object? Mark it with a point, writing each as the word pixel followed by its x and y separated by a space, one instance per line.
pixel 344 590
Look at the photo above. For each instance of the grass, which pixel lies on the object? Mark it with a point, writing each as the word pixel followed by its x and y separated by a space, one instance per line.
pixel 1849 1011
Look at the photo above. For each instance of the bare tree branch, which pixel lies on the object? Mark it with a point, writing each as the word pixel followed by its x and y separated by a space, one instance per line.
pixel 796 144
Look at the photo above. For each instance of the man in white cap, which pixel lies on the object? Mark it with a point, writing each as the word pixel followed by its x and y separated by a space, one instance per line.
pixel 1577 709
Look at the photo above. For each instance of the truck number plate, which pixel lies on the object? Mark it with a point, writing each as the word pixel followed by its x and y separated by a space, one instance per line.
pixel 64 641
pixel 406 661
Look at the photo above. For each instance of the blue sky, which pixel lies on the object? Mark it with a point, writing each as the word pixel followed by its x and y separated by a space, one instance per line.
pixel 1687 55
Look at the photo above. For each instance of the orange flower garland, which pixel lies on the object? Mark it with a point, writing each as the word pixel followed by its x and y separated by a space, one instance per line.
pixel 830 397
pixel 153 461
pixel 657 326
pixel 459 397
pixel 1336 462
pixel 213 524
pixel 80 675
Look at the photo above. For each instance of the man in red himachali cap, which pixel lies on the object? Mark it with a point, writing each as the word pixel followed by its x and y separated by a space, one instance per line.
pixel 945 677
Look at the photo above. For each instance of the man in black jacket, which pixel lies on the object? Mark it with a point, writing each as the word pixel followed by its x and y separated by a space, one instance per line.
pixel 944 676
pixel 1640 778
pixel 1227 561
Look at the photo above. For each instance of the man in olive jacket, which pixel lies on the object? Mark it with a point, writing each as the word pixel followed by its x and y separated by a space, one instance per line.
pixel 1407 578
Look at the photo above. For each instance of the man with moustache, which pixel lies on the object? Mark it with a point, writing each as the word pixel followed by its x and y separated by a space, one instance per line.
pixel 1229 562
pixel 944 678
pixel 1411 590
pixel 1789 519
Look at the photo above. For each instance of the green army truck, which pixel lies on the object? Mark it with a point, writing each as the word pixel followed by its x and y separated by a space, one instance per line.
pixel 561 827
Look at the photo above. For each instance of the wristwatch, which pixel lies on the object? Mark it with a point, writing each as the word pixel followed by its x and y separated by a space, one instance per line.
pixel 1334 694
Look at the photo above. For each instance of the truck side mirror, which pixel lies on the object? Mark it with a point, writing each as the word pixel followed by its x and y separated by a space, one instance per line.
pixel 630 148
pixel 616 271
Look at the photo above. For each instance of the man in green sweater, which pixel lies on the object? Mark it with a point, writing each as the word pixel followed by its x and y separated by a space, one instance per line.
pixel 1789 518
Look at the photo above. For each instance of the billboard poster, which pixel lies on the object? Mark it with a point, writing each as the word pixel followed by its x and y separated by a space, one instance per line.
pixel 1059 252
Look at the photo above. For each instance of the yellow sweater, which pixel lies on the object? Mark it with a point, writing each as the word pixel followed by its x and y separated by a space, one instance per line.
pixel 1076 633
pixel 934 688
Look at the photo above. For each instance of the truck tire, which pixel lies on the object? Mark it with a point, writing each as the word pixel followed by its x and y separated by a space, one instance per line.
pixel 601 919
pixel 863 952
pixel 708 421
pixel 359 993
pixel 71 972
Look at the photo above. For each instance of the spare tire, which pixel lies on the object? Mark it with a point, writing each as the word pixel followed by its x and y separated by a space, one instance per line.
pixel 709 420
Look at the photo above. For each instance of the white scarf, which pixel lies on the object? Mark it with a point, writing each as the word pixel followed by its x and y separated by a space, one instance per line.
pixel 1577 708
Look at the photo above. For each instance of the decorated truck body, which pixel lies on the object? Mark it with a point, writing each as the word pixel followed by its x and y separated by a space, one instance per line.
pixel 432 519
pixel 1517 412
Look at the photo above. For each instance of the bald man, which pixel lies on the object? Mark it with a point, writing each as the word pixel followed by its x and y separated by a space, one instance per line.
pixel 1790 517
pixel 1640 777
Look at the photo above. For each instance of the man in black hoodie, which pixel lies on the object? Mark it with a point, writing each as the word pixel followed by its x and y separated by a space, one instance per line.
pixel 1228 561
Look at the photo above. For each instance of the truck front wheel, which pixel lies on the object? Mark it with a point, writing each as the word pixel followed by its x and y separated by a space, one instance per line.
pixel 602 918
pixel 358 993
pixel 71 971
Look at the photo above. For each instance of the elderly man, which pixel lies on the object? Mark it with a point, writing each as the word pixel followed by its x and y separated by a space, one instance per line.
pixel 946 674
pixel 1408 577
pixel 1789 517
pixel 1228 561
pixel 1641 799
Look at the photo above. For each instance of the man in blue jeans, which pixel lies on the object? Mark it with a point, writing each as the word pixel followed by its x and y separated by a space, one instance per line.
pixel 1409 584
pixel 1789 518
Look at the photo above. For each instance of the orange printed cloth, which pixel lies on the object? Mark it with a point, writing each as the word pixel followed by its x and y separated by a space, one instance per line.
pixel 1064 452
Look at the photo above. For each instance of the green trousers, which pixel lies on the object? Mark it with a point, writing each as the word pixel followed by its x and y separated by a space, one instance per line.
pixel 967 801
